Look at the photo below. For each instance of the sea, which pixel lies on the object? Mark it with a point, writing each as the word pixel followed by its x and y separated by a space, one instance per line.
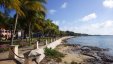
pixel 98 41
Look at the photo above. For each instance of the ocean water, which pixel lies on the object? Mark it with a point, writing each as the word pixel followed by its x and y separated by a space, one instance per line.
pixel 98 41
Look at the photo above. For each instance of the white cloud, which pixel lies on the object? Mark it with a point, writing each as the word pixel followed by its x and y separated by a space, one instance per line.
pixel 64 5
pixel 56 22
pixel 52 11
pixel 108 24
pixel 108 3
pixel 101 28
pixel 89 17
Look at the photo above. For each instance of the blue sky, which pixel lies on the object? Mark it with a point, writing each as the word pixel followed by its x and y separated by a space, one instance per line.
pixel 82 16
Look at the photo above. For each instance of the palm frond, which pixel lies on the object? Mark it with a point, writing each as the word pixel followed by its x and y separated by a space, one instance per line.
pixel 35 5
pixel 12 4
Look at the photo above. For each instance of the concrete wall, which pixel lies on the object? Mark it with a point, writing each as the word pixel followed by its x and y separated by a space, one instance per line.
pixel 41 50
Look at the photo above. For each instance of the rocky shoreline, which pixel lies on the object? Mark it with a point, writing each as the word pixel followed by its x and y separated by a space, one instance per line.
pixel 98 55
pixel 79 54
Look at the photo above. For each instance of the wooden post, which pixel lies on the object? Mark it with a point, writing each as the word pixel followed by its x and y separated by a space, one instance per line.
pixel 46 42
pixel 37 45
pixel 51 40
pixel 13 51
pixel 54 39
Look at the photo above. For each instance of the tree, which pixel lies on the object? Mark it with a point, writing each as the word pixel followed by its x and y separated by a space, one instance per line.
pixel 32 10
pixel 11 5
pixel 22 8
pixel 5 21
pixel 51 29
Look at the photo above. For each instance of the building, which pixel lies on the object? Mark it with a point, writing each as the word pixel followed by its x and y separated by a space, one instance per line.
pixel 5 34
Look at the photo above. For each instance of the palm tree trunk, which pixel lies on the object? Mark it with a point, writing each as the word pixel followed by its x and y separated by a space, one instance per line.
pixel 30 33
pixel 13 34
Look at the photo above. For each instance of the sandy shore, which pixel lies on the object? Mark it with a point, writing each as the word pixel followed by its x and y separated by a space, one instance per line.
pixel 71 56
pixel 84 54
pixel 81 55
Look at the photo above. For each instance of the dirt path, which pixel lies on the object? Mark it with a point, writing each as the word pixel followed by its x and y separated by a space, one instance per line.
pixel 7 62
pixel 4 55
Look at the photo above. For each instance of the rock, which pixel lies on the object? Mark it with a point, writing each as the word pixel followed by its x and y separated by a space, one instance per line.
pixel 98 54
pixel 94 48
pixel 89 52
pixel 106 57
pixel 73 45
pixel 92 61
pixel 85 49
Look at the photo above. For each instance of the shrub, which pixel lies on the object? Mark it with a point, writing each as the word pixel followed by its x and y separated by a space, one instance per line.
pixel 53 54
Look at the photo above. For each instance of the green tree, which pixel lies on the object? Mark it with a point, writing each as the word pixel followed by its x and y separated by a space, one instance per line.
pixel 51 29
pixel 32 10
pixel 26 8
pixel 12 5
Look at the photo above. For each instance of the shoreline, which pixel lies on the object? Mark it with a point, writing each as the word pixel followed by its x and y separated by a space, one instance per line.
pixel 79 54
pixel 85 54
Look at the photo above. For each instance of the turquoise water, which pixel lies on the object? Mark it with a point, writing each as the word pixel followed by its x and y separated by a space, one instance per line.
pixel 99 41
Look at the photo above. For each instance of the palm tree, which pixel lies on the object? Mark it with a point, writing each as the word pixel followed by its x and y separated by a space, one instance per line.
pixel 12 5
pixel 33 10
pixel 51 29
pixel 22 8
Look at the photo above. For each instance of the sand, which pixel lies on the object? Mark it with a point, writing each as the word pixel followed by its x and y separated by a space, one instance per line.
pixel 7 62
pixel 70 55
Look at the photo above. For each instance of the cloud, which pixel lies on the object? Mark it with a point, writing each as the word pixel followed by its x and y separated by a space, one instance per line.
pixel 108 24
pixel 64 5
pixel 101 28
pixel 89 17
pixel 108 3
pixel 52 11
pixel 56 22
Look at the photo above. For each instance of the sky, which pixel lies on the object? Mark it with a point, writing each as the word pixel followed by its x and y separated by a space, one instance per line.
pixel 82 16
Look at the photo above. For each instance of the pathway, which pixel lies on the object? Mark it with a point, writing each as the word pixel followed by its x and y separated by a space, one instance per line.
pixel 52 45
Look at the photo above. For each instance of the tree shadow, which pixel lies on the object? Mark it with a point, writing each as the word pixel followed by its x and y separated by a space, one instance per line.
pixel 16 61
pixel 5 59
pixel 35 60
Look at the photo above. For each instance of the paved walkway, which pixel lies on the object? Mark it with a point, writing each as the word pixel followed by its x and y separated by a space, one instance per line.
pixel 51 45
